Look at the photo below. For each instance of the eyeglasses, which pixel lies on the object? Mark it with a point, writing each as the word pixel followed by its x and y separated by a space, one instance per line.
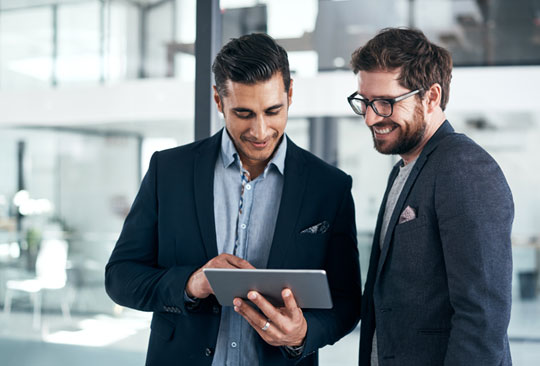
pixel 383 107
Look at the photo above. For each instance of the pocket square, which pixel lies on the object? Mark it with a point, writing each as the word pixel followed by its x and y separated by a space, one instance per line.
pixel 320 228
pixel 408 214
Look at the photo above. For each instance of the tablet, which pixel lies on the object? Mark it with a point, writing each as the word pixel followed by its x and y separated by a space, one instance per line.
pixel 310 287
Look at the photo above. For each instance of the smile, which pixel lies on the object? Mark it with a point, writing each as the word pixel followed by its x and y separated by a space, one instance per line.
pixel 259 145
pixel 384 130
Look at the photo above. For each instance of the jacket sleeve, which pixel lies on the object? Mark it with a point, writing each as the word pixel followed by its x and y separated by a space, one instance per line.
pixel 133 277
pixel 343 271
pixel 475 211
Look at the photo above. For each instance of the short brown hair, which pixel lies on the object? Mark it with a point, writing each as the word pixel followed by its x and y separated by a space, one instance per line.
pixel 422 63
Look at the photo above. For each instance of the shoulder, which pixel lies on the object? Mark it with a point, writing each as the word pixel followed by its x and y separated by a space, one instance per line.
pixel 185 154
pixel 459 151
pixel 463 165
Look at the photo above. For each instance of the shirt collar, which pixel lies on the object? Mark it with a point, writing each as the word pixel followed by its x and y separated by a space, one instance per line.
pixel 229 155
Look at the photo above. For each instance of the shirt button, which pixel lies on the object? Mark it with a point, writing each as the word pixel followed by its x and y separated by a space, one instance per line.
pixel 233 345
pixel 208 352
pixel 243 226
pixel 248 186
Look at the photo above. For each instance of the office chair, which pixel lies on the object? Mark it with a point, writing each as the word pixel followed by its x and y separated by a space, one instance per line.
pixel 50 275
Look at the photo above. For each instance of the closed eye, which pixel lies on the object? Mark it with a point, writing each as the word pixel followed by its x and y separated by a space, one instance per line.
pixel 274 110
pixel 244 113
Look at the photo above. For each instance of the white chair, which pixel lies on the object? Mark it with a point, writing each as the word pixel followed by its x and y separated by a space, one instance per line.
pixel 50 275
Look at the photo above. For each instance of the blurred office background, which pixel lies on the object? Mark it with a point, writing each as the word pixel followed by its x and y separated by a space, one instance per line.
pixel 90 88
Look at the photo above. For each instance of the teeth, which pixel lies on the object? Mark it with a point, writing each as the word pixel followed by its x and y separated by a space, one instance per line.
pixel 383 131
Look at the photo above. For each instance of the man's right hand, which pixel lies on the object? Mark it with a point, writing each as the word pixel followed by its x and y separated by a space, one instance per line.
pixel 198 286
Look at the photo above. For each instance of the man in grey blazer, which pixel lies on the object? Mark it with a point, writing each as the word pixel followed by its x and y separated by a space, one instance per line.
pixel 438 290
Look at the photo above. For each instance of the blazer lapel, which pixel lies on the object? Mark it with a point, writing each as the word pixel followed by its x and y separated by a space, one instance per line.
pixel 294 184
pixel 443 131
pixel 203 180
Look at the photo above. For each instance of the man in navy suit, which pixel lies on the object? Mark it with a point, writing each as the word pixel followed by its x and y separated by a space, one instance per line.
pixel 245 197
pixel 438 289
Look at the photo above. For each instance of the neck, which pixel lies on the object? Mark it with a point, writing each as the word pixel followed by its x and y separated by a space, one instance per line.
pixel 255 168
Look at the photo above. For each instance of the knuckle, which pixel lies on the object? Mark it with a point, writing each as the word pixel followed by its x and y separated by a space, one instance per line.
pixel 287 329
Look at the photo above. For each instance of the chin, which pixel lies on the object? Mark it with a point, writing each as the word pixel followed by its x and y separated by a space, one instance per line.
pixel 384 148
pixel 260 157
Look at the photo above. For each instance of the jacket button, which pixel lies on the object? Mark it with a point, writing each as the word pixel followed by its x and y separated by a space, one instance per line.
pixel 208 352
pixel 215 309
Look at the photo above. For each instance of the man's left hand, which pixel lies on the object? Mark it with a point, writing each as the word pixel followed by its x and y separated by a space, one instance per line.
pixel 287 325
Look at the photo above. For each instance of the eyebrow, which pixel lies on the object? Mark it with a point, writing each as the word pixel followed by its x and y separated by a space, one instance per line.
pixel 244 110
pixel 376 97
pixel 276 106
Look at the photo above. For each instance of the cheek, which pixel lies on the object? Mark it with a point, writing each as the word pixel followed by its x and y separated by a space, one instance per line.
pixel 236 126
pixel 279 123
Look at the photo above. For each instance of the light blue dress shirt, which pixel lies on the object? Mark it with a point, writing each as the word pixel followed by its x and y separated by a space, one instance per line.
pixel 255 225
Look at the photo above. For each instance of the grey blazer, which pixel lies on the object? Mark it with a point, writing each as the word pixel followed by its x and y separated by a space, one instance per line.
pixel 439 292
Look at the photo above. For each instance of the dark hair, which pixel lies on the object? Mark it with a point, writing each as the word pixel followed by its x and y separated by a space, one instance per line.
pixel 422 63
pixel 250 59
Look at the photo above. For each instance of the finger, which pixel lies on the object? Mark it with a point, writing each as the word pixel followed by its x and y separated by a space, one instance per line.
pixel 271 335
pixel 264 305
pixel 253 317
pixel 238 262
pixel 225 260
pixel 289 300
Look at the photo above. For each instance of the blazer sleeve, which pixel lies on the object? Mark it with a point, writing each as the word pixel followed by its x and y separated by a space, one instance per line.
pixel 133 277
pixel 474 210
pixel 343 271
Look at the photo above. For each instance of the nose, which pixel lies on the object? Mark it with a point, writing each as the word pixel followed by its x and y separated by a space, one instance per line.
pixel 259 128
pixel 371 118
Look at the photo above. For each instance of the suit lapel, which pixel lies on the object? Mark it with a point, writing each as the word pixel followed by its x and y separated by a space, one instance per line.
pixel 294 184
pixel 443 131
pixel 203 180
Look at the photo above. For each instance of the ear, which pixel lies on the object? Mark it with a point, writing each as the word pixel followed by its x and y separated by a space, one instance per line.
pixel 289 94
pixel 433 97
pixel 217 99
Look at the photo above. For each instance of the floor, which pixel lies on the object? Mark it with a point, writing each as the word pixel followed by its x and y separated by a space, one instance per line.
pixel 121 340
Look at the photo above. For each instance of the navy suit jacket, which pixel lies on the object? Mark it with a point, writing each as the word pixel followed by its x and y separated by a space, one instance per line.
pixel 170 232
pixel 439 292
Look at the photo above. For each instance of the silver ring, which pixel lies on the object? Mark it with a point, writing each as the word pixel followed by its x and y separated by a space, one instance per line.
pixel 266 326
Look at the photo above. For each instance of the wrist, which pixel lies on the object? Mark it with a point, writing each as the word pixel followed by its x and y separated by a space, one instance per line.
pixel 295 351
pixel 192 287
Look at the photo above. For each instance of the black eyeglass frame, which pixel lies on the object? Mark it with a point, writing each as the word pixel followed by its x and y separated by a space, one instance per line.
pixel 369 103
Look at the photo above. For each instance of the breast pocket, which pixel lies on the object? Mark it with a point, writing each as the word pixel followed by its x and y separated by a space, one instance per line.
pixel 411 225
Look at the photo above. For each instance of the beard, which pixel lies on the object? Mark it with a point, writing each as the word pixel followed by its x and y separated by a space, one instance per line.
pixel 409 136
